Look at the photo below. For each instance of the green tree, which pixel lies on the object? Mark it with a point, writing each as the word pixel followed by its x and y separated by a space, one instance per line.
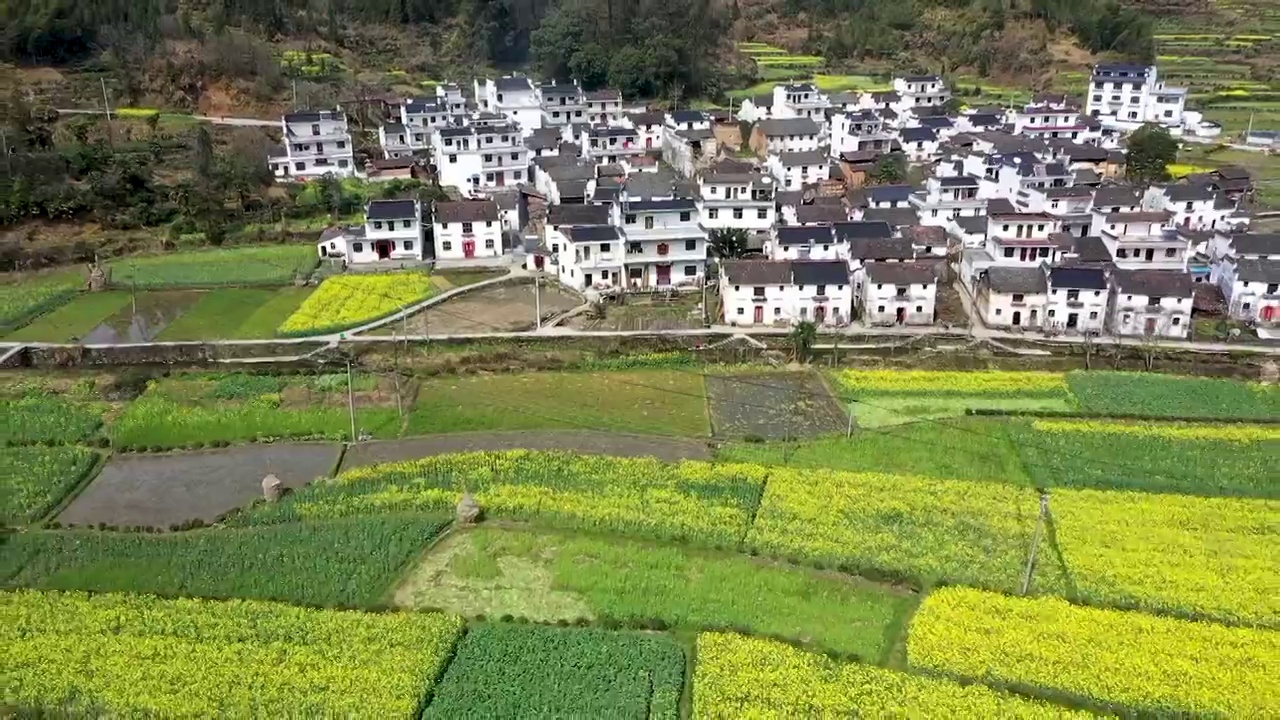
pixel 728 243
pixel 803 337
pixel 1148 153
pixel 890 169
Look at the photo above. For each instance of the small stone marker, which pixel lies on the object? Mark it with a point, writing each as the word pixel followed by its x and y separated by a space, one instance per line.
pixel 99 277
pixel 468 509
pixel 1269 374
pixel 272 488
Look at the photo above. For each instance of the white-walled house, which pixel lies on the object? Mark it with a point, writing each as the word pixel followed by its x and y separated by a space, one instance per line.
pixel 1012 297
pixel 562 104
pixel 804 242
pixel 794 170
pixel 926 90
pixel 1142 240
pixel 944 198
pixel 513 97
pixel 1244 246
pixel 1252 290
pixel 650 126
pixel 899 293
pixel 315 143
pixel 1151 303
pixel 1044 121
pixel 392 231
pixel 919 143
pixel 785 135
pixel 1195 207
pixel 769 292
pixel 737 200
pixel 666 246
pixel 467 229
pixel 475 157
pixel 604 107
pixel 859 131
pixel 1023 238
pixel 803 100
pixel 595 254
pixel 1127 96
pixel 1077 301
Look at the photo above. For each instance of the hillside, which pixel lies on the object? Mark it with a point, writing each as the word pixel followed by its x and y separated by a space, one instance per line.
pixel 258 57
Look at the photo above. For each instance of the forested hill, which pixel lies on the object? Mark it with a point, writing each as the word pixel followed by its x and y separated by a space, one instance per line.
pixel 644 47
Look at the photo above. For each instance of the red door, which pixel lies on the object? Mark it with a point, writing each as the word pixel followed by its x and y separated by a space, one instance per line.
pixel 664 274
pixel 537 262
pixel 819 314
pixel 1151 326
pixel 469 248
pixel 759 316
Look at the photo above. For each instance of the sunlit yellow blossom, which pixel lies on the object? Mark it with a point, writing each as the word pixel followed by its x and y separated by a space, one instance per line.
pixel 955 382
pixel 739 676
pixel 141 656
pixel 1145 662
pixel 1227 432
pixel 347 300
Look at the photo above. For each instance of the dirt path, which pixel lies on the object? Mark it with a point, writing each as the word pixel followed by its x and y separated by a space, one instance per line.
pixel 581 441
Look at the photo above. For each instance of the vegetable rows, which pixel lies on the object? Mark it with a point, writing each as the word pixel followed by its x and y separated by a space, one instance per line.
pixel 536 671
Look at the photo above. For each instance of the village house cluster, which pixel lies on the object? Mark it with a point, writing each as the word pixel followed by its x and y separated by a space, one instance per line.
pixel 1023 211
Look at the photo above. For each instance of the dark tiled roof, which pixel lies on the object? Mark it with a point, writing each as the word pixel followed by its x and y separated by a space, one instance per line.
pixel 513 84
pixel 821 213
pixel 1154 283
pixel 1256 243
pixel 820 272
pixel 846 231
pixel 909 273
pixel 889 193
pixel 592 233
pixel 958 181
pixel 881 249
pixel 806 157
pixel 804 235
pixel 788 126
pixel 925 235
pixel 677 204
pixel 1265 271
pixel 466 211
pixel 392 210
pixel 919 134
pixel 757 272
pixel 1091 249
pixel 897 217
pixel 1027 280
pixel 1117 195
pixel 1188 193
pixel 689 116
pixel 558 215
pixel 1078 278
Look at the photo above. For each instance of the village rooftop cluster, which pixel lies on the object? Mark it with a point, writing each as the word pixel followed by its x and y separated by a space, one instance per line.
pixel 1025 210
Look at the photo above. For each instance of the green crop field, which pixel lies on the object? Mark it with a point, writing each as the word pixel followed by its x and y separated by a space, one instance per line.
pixel 872 570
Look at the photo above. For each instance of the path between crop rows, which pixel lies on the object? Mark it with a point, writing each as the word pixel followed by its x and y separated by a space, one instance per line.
pixel 580 441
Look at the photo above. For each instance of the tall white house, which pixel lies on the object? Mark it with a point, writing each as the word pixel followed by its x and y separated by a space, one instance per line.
pixel 316 143
pixel 742 200
pixel 473 158
pixel 918 90
pixel 1127 96
pixel 666 245
pixel 513 97
pixel 766 292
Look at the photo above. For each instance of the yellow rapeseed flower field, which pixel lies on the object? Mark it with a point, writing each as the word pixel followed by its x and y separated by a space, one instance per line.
pixel 921 528
pixel 137 655
pixel 1226 432
pixel 1203 556
pixel 957 382
pixel 745 677
pixel 710 503
pixel 1127 659
pixel 345 301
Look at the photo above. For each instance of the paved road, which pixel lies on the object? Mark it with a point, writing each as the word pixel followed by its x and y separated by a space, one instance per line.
pixel 214 119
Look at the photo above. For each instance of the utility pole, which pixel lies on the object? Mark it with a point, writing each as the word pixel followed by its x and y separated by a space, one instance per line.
pixel 537 303
pixel 849 433
pixel 4 148
pixel 106 105
pixel 351 402
pixel 295 93
pixel 1035 542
